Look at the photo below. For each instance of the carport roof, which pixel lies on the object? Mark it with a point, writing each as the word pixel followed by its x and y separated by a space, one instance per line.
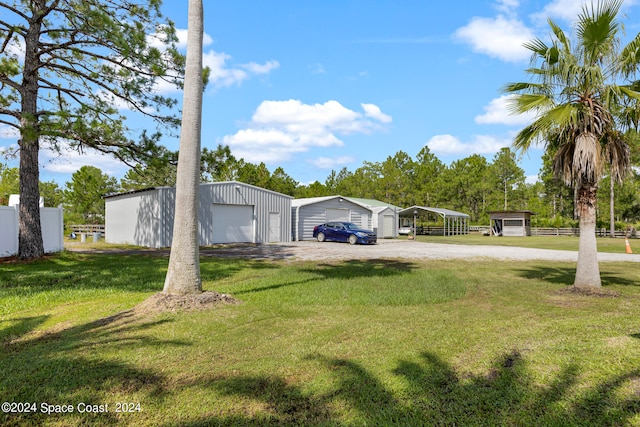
pixel 313 200
pixel 446 213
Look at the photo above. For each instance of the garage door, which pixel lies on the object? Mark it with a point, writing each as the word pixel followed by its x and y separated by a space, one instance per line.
pixel 232 224
pixel 336 214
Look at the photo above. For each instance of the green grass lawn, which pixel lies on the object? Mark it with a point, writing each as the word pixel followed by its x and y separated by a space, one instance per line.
pixel 347 343
pixel 565 243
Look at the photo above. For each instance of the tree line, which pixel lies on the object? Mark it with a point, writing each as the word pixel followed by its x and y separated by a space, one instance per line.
pixel 473 185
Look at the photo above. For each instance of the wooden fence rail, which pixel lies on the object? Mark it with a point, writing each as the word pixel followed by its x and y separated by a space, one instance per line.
pixel 567 231
pixel 85 228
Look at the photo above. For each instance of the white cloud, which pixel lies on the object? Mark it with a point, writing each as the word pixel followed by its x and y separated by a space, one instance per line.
pixel 507 6
pixel 373 111
pixel 280 129
pixel 69 161
pixel 568 10
pixel 562 9
pixel 480 144
pixel 497 112
pixel 531 179
pixel 258 69
pixel 9 132
pixel 498 37
pixel 223 75
pixel 15 49
pixel 331 163
pixel 183 35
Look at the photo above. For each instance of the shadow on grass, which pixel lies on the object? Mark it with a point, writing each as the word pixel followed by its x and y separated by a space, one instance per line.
pixel 432 393
pixel 135 273
pixel 566 275
pixel 343 270
pixel 374 268
pixel 72 366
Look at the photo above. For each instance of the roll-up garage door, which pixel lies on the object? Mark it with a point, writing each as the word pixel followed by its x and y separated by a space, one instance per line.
pixel 232 224
pixel 332 214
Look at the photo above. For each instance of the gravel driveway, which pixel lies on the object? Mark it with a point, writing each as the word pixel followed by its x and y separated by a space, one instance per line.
pixel 399 249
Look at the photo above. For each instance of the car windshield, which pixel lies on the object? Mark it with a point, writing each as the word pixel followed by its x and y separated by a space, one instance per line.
pixel 350 226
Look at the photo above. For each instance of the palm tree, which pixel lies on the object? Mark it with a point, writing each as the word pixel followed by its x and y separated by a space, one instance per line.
pixel 573 94
pixel 183 275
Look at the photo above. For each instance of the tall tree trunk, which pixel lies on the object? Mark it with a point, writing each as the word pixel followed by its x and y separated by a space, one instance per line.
pixel 30 244
pixel 587 270
pixel 505 195
pixel 183 275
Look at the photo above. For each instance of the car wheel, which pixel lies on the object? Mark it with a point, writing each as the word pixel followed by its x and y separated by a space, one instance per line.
pixel 321 237
pixel 353 239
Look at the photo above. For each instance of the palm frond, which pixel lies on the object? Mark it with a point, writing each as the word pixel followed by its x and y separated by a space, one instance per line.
pixel 537 47
pixel 630 57
pixel 522 87
pixel 618 155
pixel 563 160
pixel 596 29
pixel 527 137
pixel 587 158
pixel 527 102
pixel 560 36
pixel 631 91
pixel 563 115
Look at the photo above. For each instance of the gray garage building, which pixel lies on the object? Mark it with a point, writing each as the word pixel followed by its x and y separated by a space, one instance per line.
pixel 368 214
pixel 229 212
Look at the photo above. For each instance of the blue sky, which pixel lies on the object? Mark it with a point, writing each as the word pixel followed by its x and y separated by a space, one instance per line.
pixel 319 85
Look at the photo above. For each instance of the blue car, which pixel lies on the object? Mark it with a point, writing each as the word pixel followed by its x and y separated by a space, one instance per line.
pixel 344 232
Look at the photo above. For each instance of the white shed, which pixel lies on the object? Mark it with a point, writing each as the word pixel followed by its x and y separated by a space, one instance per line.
pixel 384 220
pixel 309 212
pixel 510 223
pixel 229 212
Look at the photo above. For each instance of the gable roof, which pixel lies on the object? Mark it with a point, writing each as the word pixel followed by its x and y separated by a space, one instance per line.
pixel 374 203
pixel 445 213
pixel 313 200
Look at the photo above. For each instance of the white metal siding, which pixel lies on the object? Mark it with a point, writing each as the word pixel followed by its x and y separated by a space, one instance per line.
pixel 134 219
pixel 146 218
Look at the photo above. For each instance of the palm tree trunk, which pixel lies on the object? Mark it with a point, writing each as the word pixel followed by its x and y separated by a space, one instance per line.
pixel 587 270
pixel 183 275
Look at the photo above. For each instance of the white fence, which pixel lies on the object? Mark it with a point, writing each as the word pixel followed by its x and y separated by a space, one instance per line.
pixel 52 230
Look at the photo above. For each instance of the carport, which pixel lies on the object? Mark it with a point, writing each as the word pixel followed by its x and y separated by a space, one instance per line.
pixel 453 222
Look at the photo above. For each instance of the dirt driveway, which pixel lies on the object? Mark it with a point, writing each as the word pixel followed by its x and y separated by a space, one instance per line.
pixel 385 249
pixel 399 249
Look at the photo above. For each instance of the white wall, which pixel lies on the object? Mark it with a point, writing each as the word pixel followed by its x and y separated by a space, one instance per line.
pixel 52 230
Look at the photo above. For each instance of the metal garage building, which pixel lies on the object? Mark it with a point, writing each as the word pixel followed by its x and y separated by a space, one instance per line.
pixel 229 212
pixel 309 212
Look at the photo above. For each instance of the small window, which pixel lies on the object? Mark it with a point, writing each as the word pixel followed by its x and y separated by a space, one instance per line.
pixel 513 223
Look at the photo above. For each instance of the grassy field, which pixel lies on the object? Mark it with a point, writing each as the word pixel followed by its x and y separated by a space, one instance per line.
pixel 349 343
pixel 565 243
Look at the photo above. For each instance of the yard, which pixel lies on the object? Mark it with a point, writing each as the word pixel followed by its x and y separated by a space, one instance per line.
pixel 350 342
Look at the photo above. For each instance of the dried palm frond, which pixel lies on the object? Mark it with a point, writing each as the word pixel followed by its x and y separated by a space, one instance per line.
pixel 618 155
